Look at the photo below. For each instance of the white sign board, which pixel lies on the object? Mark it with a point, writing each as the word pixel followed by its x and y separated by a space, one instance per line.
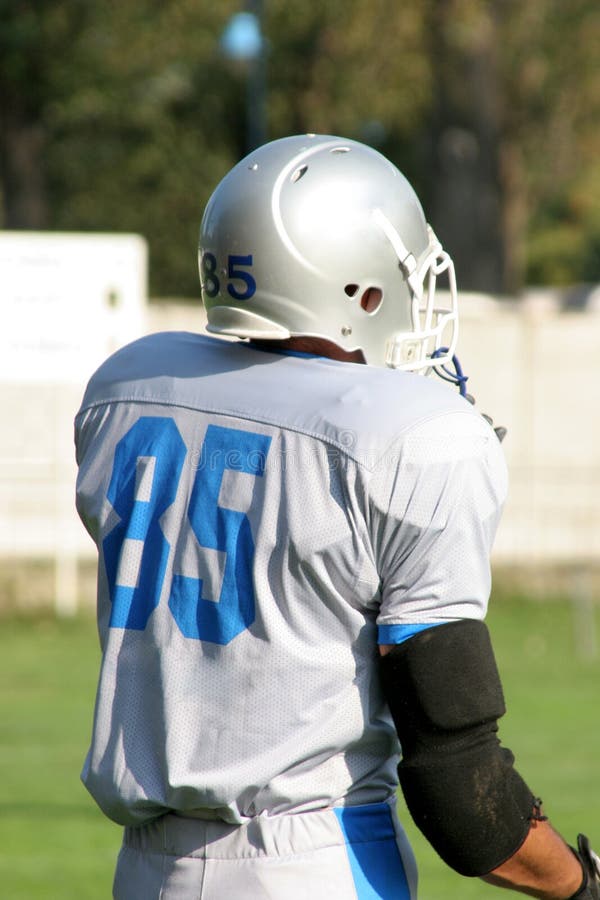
pixel 67 302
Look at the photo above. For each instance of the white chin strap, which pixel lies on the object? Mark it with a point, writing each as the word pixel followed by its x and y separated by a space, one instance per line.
pixel 407 261
pixel 433 339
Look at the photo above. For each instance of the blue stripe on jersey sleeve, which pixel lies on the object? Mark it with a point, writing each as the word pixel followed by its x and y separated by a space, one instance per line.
pixel 373 853
pixel 397 634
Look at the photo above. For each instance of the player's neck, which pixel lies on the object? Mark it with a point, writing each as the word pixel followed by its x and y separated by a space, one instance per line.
pixel 317 346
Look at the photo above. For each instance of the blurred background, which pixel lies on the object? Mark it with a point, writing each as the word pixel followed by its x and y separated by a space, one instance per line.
pixel 117 120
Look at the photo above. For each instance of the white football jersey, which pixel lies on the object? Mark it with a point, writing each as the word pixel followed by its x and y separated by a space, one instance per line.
pixel 262 521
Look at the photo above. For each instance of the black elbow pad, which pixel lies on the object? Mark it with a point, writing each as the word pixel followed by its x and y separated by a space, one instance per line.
pixel 445 696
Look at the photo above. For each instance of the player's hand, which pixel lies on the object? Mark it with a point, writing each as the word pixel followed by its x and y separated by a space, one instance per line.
pixel 590 863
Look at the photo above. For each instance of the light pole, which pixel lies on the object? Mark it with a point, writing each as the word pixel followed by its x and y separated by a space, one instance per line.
pixel 243 41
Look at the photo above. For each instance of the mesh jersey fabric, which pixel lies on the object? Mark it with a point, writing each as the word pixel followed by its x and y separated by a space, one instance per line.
pixel 258 517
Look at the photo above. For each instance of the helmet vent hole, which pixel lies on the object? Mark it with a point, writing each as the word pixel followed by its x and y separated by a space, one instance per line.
pixel 351 290
pixel 340 150
pixel 371 299
pixel 299 173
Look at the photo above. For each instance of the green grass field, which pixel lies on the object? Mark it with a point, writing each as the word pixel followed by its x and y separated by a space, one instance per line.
pixel 55 844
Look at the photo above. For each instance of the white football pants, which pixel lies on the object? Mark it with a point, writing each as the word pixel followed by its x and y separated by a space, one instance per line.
pixel 347 853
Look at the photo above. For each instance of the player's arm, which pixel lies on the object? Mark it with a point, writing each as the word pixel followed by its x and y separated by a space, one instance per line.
pixel 544 867
pixel 460 785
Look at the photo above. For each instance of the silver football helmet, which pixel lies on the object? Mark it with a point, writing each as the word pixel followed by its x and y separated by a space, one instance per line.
pixel 320 236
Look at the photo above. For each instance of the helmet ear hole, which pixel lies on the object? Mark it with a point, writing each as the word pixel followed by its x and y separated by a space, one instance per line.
pixel 371 299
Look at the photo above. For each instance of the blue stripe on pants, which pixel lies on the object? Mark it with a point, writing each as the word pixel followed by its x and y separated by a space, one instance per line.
pixel 373 852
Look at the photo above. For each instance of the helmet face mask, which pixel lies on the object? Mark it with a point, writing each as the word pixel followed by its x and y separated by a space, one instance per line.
pixel 434 315
pixel 319 236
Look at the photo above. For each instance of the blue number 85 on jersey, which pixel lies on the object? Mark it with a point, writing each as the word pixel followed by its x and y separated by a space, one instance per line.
pixel 146 472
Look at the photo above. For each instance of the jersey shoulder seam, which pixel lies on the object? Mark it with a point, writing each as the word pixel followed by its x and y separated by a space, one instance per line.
pixel 366 459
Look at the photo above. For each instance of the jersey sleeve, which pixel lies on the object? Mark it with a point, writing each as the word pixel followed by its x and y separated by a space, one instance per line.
pixel 436 501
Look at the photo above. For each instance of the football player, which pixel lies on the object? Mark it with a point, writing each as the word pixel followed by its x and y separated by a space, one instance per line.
pixel 294 520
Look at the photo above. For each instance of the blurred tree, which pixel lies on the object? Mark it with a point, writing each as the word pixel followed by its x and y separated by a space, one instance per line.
pixel 513 138
pixel 346 66
pixel 463 138
pixel 33 35
pixel 153 120
pixel 122 116
pixel 553 157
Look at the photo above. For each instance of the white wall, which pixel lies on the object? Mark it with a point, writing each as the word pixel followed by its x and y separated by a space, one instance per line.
pixel 535 369
pixel 67 301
